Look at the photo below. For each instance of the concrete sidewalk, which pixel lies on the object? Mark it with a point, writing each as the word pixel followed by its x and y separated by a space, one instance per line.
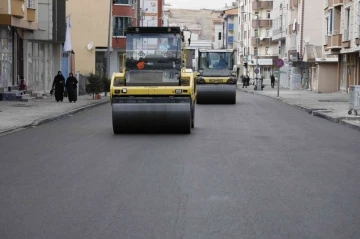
pixel 331 106
pixel 15 115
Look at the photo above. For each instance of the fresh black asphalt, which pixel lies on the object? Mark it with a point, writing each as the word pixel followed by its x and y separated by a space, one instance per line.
pixel 257 169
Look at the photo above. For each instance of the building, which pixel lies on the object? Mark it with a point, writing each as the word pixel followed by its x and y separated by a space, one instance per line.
pixel 259 49
pixel 89 35
pixel 231 28
pixel 218 33
pixel 152 12
pixel 43 49
pixel 16 18
pixel 342 37
pixel 296 25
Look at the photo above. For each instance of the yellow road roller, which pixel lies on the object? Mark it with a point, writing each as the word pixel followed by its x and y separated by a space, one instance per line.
pixel 216 77
pixel 154 92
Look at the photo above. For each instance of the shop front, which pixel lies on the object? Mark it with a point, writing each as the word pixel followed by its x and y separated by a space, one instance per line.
pixel 6 57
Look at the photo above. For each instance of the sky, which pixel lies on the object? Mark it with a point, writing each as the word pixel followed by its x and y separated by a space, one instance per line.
pixel 199 4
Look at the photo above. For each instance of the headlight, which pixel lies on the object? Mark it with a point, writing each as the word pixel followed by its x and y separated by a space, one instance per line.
pixel 124 90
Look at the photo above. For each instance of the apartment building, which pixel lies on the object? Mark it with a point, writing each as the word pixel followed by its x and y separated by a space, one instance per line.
pixel 231 28
pixel 342 37
pixel 296 25
pixel 43 49
pixel 259 49
pixel 16 18
pixel 90 34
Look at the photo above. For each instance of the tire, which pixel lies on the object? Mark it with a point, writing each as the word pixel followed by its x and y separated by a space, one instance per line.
pixel 193 117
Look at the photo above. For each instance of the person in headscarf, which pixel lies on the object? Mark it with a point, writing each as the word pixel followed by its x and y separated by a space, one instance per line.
pixel 71 87
pixel 58 85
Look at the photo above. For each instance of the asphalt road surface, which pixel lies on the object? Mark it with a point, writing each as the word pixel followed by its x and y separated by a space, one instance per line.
pixel 257 169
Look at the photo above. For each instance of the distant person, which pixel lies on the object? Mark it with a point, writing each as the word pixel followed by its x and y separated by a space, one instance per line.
pixel 22 86
pixel 272 81
pixel 71 88
pixel 58 85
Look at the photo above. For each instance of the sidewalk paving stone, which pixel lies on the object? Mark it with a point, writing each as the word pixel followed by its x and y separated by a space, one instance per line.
pixel 15 115
pixel 331 106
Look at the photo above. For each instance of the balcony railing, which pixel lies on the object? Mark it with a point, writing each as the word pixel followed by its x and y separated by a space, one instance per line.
pixel 334 41
pixel 119 32
pixel 262 23
pixel 255 41
pixel 257 5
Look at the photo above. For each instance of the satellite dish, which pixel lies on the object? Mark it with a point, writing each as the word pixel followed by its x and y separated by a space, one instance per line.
pixel 241 4
pixel 90 45
pixel 307 40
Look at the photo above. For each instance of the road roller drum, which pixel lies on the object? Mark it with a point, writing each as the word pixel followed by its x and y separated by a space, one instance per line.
pixel 152 115
pixel 216 94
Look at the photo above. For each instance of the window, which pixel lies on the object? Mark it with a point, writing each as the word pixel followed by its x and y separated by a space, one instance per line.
pixel 347 24
pixel 120 25
pixel 268 15
pixel 31 4
pixel 268 32
pixel 127 2
pixel 255 51
pixel 256 33
pixel 267 51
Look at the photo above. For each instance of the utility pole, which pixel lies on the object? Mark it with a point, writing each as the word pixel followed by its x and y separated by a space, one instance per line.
pixel 281 21
pixel 108 43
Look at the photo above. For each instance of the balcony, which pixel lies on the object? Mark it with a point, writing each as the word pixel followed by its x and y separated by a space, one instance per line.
pixel 18 8
pixel 334 42
pixel 231 27
pixel 230 39
pixel 262 23
pixel 256 41
pixel 31 14
pixel 257 5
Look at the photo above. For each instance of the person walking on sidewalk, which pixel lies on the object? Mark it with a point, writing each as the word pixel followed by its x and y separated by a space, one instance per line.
pixel 71 88
pixel 58 85
pixel 272 81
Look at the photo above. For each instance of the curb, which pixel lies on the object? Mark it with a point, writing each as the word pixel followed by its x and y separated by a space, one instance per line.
pixel 321 113
pixel 53 118
pixel 349 124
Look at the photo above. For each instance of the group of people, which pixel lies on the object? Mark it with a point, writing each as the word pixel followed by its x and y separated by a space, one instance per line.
pixel 65 88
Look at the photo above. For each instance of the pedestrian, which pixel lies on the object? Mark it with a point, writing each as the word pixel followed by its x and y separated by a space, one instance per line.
pixel 272 81
pixel 247 81
pixel 22 86
pixel 58 85
pixel 71 88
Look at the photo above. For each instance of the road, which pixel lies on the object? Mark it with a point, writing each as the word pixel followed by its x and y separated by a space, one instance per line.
pixel 257 169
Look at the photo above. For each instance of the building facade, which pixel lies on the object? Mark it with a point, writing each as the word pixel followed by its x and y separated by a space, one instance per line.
pixel 90 34
pixel 296 25
pixel 259 49
pixel 16 18
pixel 43 49
pixel 342 37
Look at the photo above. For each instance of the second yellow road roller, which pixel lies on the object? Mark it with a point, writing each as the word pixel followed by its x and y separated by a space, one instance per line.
pixel 216 78
pixel 154 92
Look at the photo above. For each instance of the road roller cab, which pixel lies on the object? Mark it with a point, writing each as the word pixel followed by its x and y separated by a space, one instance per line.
pixel 154 91
pixel 216 79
